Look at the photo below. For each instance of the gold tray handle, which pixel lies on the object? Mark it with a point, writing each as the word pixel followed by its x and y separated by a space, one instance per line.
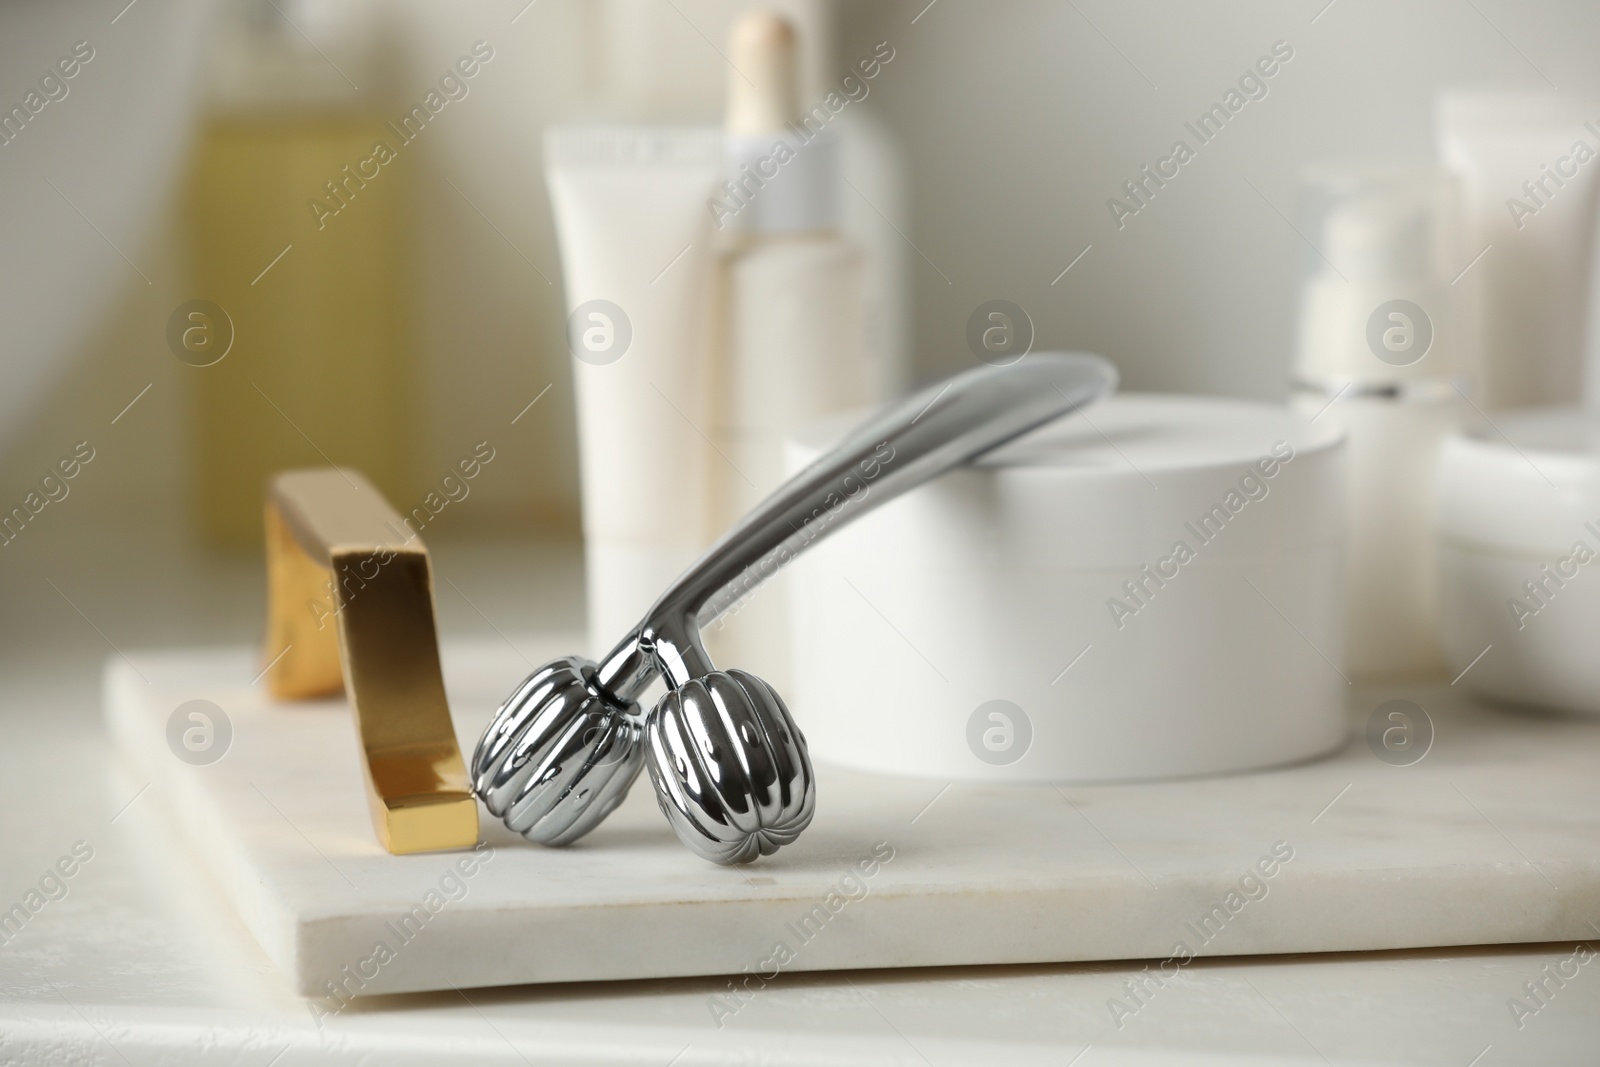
pixel 350 602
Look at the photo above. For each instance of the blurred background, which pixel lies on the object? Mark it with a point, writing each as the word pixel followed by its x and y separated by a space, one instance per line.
pixel 181 163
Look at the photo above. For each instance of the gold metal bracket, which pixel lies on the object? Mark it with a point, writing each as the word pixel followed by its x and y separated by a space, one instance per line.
pixel 350 602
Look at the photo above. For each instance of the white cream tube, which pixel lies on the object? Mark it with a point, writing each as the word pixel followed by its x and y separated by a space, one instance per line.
pixel 1528 164
pixel 635 237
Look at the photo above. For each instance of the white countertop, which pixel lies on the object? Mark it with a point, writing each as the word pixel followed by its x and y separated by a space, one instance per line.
pixel 142 963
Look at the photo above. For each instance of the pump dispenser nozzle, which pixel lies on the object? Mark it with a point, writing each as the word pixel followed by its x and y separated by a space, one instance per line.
pixel 761 86
pixel 783 173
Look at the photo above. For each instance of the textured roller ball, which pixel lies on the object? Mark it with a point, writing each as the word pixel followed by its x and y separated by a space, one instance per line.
pixel 730 767
pixel 559 755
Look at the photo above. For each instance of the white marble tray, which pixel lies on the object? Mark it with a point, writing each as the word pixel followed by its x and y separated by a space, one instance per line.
pixel 1493 837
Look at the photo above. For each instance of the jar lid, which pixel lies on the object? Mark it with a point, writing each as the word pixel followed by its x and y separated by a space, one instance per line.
pixel 1130 432
pixel 1529 483
pixel 1119 484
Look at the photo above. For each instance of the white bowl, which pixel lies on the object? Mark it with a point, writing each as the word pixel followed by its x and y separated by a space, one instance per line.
pixel 1518 514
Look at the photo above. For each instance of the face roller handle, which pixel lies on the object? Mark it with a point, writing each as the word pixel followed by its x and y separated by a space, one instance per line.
pixel 934 431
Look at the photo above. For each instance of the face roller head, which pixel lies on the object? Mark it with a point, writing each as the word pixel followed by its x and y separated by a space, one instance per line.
pixel 559 755
pixel 730 767
pixel 728 763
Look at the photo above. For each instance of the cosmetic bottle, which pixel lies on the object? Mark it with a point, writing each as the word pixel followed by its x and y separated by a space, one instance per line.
pixel 1526 162
pixel 648 65
pixel 1377 357
pixel 793 327
pixel 298 333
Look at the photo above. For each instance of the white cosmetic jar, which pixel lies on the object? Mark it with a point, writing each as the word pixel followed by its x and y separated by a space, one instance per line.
pixel 1032 617
pixel 1519 558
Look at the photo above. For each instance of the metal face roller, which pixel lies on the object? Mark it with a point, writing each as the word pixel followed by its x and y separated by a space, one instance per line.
pixel 728 763
pixel 560 754
pixel 730 767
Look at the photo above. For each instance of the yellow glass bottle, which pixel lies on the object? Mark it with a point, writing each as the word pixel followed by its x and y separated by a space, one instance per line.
pixel 307 258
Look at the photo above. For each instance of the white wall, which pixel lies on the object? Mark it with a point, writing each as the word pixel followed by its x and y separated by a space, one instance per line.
pixel 1021 118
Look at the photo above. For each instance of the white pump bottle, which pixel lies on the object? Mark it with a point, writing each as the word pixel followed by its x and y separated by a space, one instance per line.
pixel 793 318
